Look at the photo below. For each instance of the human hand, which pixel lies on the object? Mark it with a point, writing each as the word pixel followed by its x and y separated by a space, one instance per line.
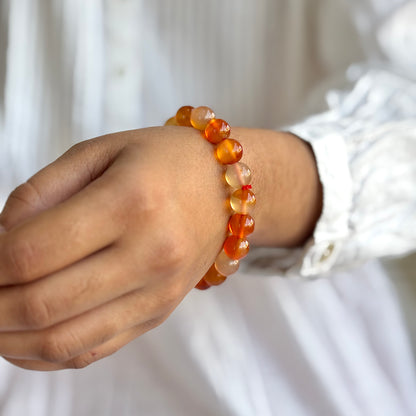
pixel 103 244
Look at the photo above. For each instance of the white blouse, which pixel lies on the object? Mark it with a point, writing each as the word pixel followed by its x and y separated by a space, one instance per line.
pixel 258 346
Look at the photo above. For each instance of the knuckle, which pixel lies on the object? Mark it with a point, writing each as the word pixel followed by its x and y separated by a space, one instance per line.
pixel 168 297
pixel 169 254
pixel 79 148
pixel 53 349
pixel 175 254
pixel 173 295
pixel 80 289
pixel 145 193
pixel 82 361
pixel 34 310
pixel 142 197
pixel 27 194
pixel 56 348
pixel 108 329
pixel 84 152
pixel 155 322
pixel 20 256
pixel 25 197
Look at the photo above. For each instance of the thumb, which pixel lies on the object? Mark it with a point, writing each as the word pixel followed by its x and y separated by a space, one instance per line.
pixel 55 183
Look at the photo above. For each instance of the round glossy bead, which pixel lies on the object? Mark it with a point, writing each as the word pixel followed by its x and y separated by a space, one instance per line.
pixel 238 175
pixel 183 116
pixel 229 151
pixel 217 130
pixel 171 122
pixel 225 265
pixel 242 201
pixel 202 285
pixel 201 116
pixel 235 247
pixel 213 278
pixel 241 225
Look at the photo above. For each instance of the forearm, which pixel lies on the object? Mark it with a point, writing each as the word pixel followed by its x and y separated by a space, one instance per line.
pixel 286 183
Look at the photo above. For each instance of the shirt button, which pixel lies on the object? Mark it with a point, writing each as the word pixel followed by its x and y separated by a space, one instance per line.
pixel 327 252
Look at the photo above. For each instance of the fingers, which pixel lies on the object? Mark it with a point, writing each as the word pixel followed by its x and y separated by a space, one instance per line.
pixel 84 333
pixel 65 294
pixel 96 280
pixel 58 181
pixel 87 358
pixel 62 235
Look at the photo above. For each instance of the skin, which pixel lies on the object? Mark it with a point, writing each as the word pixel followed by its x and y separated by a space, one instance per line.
pixel 102 245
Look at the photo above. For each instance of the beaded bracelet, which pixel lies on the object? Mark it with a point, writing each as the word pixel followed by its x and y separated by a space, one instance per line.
pixel 238 176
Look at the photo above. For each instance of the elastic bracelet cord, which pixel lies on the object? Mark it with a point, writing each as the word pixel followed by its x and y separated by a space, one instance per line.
pixel 238 176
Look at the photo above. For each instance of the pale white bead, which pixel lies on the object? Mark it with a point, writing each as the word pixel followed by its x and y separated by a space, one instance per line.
pixel 238 175
pixel 225 265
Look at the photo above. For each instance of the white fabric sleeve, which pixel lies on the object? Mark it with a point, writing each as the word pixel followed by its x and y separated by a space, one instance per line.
pixel 365 148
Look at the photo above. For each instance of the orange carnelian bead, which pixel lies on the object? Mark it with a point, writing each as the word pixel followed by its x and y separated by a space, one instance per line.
pixel 183 116
pixel 201 116
pixel 202 285
pixel 217 130
pixel 171 122
pixel 225 265
pixel 213 278
pixel 242 201
pixel 241 225
pixel 229 151
pixel 238 175
pixel 235 247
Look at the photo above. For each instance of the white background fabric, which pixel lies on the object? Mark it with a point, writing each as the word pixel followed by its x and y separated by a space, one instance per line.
pixel 258 345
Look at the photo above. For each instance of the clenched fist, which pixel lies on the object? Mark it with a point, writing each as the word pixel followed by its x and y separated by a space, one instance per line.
pixel 104 243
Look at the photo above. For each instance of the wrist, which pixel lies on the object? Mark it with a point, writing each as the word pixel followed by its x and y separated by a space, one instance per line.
pixel 287 186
